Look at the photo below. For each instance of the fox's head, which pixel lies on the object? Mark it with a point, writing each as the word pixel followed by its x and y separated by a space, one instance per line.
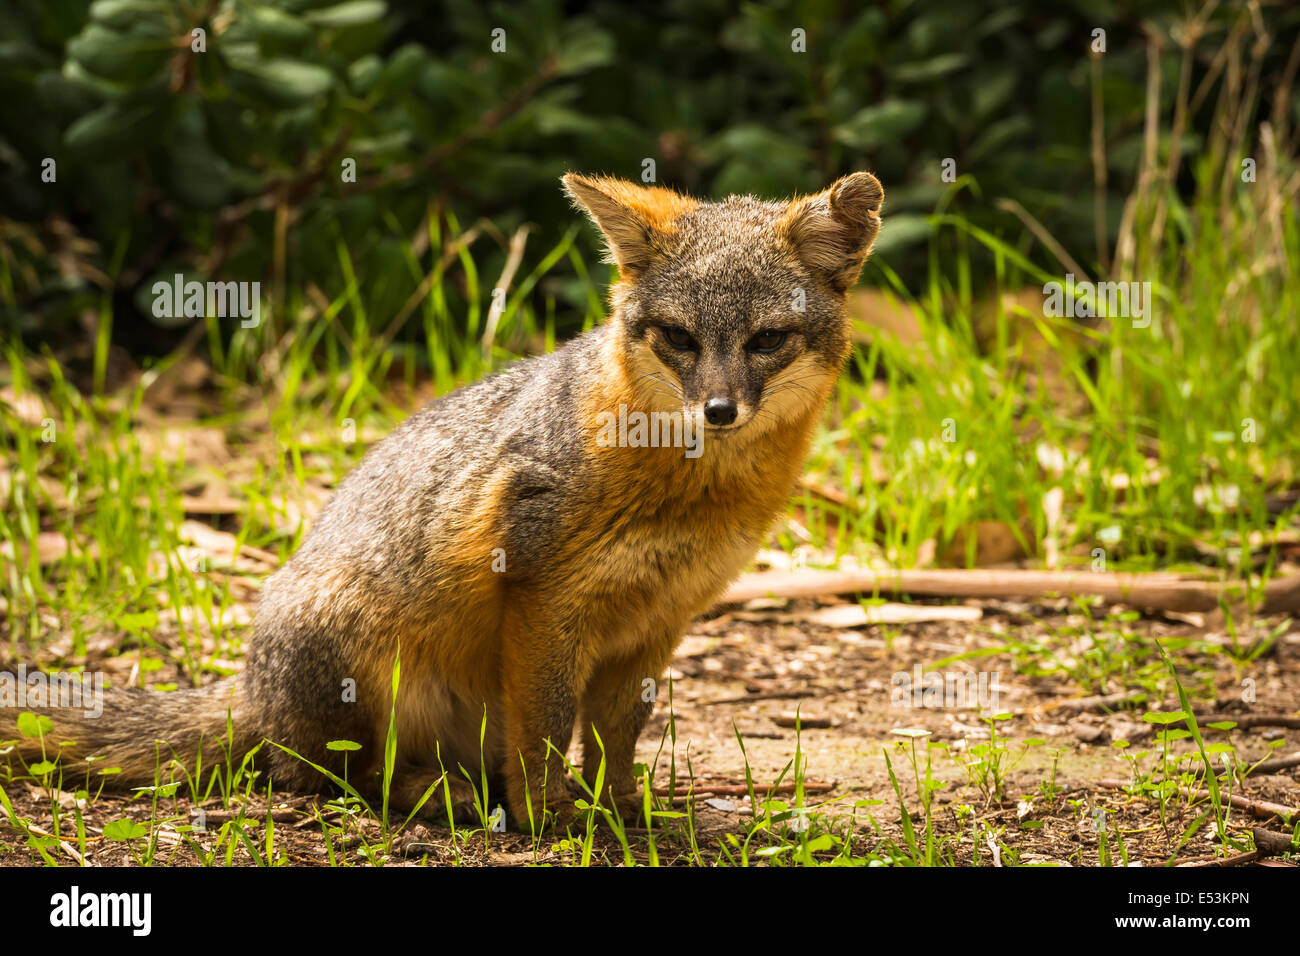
pixel 733 311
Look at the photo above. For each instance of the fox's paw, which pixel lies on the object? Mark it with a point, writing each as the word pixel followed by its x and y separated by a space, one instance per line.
pixel 453 796
pixel 627 807
pixel 552 805
pixel 630 806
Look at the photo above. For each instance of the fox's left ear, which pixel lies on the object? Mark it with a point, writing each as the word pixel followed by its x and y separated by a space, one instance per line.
pixel 636 220
pixel 833 230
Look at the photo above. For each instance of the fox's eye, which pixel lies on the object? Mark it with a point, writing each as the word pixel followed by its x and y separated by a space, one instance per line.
pixel 679 338
pixel 765 342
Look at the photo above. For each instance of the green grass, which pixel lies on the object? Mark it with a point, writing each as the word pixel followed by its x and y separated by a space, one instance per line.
pixel 1151 437
pixel 779 832
pixel 1143 436
pixel 1167 445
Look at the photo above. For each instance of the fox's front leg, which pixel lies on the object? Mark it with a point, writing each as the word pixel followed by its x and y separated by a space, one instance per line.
pixel 539 664
pixel 619 698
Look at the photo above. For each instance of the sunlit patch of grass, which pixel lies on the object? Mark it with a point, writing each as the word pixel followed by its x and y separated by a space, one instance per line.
pixel 1166 441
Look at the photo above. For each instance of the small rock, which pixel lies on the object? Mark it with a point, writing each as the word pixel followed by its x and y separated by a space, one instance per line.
pixel 1131 731
pixel 417 842
pixel 1085 732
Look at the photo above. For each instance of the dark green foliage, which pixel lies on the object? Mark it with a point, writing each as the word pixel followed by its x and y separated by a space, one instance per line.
pixel 173 160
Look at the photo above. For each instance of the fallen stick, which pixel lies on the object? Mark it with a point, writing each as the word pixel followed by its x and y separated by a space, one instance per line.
pixel 1267 843
pixel 806 722
pixel 1276 764
pixel 1261 809
pixel 1247 721
pixel 741 790
pixel 33 828
pixel 1270 842
pixel 1077 705
pixel 1189 860
pixel 1240 859
pixel 1158 591
pixel 71 851
pixel 761 695
pixel 258 818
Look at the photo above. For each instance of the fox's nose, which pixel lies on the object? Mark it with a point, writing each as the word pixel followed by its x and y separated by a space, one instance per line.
pixel 719 411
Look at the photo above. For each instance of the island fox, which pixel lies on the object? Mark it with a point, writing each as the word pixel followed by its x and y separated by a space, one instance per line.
pixel 534 563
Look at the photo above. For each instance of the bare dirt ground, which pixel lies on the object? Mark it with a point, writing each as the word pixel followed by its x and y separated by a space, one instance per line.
pixel 750 670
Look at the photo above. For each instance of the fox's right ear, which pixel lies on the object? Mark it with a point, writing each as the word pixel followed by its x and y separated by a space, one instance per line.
pixel 635 220
pixel 833 231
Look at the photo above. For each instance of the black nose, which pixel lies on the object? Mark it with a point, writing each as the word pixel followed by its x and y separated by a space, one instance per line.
pixel 720 411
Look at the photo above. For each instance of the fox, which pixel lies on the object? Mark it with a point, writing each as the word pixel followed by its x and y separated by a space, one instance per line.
pixel 529 568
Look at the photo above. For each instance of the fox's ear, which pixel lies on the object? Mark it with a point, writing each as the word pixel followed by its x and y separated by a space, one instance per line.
pixel 634 219
pixel 833 230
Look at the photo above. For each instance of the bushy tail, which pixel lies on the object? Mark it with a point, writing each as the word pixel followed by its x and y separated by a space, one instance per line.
pixel 141 732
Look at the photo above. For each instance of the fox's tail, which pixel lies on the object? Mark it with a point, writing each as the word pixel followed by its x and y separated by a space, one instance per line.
pixel 139 732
